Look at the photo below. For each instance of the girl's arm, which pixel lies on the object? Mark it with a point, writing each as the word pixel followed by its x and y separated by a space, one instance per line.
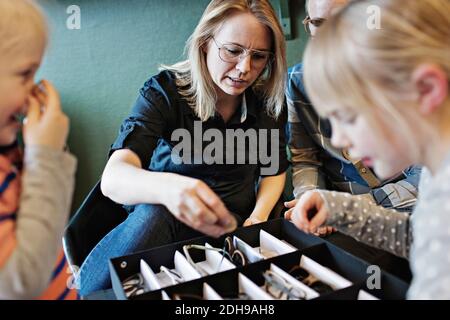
pixel 45 199
pixel 372 224
pixel 356 216
pixel 45 202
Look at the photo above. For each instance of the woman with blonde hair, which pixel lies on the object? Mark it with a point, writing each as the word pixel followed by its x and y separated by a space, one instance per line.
pixel 385 88
pixel 230 88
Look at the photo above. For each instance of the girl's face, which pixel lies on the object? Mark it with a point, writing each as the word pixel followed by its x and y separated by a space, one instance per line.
pixel 384 149
pixel 17 72
pixel 244 30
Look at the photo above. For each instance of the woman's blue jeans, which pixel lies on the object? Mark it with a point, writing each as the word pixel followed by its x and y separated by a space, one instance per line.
pixel 148 226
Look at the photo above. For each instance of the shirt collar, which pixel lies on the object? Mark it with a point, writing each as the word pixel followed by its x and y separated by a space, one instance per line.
pixel 248 106
pixel 249 102
pixel 244 109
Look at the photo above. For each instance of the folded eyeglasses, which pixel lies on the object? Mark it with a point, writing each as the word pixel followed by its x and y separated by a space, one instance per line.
pixel 279 288
pixel 308 279
pixel 234 255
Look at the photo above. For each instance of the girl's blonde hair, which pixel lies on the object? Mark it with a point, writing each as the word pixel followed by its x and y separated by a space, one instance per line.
pixel 19 21
pixel 353 63
pixel 193 78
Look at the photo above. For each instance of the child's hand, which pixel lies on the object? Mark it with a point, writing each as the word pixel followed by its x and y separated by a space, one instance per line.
pixel 309 213
pixel 321 231
pixel 46 124
pixel 251 221
pixel 325 231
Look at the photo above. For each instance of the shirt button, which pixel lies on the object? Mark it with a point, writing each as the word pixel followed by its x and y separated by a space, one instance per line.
pixel 363 170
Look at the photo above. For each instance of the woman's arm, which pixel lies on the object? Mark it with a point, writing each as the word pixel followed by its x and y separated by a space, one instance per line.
pixel 124 181
pixel 269 191
pixel 189 200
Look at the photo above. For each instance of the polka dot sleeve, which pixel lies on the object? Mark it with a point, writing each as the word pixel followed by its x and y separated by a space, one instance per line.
pixel 359 217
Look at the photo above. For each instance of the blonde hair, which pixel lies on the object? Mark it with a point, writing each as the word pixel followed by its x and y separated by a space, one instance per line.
pixel 371 70
pixel 19 21
pixel 193 78
pixel 307 2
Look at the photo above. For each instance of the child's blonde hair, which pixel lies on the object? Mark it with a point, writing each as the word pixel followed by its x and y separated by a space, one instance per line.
pixel 20 20
pixel 354 65
pixel 193 76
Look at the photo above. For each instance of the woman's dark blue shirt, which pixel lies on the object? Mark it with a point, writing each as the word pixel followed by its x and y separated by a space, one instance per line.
pixel 160 110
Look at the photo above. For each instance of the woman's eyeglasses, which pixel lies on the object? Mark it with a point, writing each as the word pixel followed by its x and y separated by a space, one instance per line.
pixel 279 288
pixel 233 53
pixel 133 285
pixel 308 279
pixel 316 22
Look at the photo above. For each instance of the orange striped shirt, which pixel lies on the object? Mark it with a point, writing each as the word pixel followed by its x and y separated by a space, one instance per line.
pixel 59 285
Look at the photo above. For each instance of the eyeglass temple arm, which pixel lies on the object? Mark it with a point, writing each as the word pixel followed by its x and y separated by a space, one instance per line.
pixel 200 247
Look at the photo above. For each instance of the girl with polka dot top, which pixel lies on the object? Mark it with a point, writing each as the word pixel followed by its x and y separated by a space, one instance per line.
pixel 383 81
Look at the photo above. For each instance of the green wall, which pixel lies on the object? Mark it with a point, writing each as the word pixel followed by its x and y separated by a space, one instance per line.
pixel 99 68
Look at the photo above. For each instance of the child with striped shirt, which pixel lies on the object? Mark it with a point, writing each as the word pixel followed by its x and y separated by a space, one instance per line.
pixel 36 182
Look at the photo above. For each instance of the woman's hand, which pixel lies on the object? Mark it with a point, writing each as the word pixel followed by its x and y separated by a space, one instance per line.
pixel 253 220
pixel 308 213
pixel 194 203
pixel 290 205
pixel 46 124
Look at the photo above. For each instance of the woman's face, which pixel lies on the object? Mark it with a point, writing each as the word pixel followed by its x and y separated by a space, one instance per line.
pixel 244 30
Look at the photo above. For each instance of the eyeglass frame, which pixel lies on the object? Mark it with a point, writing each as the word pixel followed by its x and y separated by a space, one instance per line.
pixel 278 282
pixel 228 241
pixel 137 288
pixel 316 22
pixel 174 276
pixel 310 280
pixel 232 250
pixel 245 52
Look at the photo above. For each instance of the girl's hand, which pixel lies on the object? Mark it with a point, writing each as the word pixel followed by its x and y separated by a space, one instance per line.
pixel 46 124
pixel 325 231
pixel 309 213
pixel 194 203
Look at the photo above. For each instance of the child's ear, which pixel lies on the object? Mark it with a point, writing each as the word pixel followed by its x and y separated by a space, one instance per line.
pixel 431 82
